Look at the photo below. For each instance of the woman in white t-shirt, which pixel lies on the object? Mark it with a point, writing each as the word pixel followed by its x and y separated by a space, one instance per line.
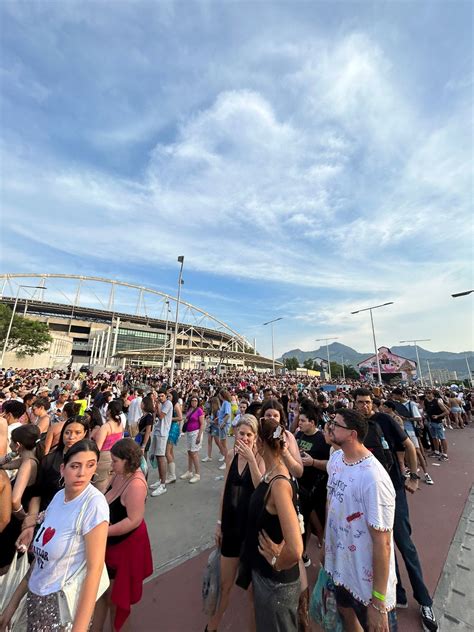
pixel 59 551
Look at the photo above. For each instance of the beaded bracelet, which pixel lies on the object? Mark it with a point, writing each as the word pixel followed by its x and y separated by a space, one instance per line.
pixel 378 609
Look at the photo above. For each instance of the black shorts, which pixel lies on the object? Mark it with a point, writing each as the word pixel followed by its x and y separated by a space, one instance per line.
pixel 344 599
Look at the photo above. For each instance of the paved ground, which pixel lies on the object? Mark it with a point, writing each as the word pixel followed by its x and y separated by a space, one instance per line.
pixel 181 525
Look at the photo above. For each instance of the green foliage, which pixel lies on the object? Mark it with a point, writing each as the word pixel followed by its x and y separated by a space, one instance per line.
pixel 291 364
pixel 27 337
pixel 308 364
pixel 349 371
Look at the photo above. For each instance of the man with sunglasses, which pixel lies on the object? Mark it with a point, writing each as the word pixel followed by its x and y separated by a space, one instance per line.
pixel 359 552
pixel 398 441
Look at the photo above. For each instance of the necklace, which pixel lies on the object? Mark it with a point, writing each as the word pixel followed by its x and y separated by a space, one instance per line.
pixel 267 475
pixel 355 462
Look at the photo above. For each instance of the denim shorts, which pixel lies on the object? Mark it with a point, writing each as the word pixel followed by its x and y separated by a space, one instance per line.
pixel 437 431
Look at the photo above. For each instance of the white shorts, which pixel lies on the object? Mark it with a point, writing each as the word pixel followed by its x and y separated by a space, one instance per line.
pixel 191 444
pixel 158 445
pixel 413 438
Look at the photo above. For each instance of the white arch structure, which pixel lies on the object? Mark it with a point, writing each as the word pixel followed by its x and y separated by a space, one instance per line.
pixel 82 292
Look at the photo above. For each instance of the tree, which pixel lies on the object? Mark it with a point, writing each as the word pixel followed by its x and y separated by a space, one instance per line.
pixel 308 364
pixel 349 371
pixel 27 337
pixel 291 364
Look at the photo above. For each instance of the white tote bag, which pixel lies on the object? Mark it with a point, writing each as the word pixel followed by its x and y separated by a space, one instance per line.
pixel 8 584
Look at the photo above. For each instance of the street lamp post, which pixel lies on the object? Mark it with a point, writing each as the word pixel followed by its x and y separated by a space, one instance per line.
pixel 173 356
pixel 270 322
pixel 7 338
pixel 429 373
pixel 167 303
pixel 458 294
pixel 369 309
pixel 326 340
pixel 415 342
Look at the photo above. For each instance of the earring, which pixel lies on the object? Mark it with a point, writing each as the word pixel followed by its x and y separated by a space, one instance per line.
pixel 61 481
pixel 94 478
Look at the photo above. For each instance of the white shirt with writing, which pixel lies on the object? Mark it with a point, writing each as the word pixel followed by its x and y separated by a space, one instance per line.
pixel 359 495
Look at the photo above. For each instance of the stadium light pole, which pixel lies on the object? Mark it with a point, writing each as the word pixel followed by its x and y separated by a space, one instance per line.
pixel 369 309
pixel 7 338
pixel 326 340
pixel 180 281
pixel 415 342
pixel 270 322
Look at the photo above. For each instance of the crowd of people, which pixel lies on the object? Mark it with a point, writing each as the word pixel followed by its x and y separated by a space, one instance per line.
pixel 300 458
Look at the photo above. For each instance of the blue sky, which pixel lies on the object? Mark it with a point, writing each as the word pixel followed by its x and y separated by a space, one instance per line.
pixel 307 159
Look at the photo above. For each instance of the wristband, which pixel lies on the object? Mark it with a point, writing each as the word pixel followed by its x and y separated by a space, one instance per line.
pixel 378 595
pixel 20 508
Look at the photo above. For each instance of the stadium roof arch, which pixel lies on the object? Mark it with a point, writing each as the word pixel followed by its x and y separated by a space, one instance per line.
pixel 104 300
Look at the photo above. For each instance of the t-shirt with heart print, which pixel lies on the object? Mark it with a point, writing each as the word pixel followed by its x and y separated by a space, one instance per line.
pixel 56 546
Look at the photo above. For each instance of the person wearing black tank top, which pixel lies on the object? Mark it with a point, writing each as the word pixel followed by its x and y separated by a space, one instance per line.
pixel 273 520
pixel 243 474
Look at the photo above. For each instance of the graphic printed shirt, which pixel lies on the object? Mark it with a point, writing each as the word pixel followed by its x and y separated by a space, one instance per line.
pixel 359 496
pixel 56 546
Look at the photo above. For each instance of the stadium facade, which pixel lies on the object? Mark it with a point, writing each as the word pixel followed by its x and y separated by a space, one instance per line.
pixel 95 326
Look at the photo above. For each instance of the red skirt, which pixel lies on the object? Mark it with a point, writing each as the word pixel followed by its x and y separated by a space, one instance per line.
pixel 132 563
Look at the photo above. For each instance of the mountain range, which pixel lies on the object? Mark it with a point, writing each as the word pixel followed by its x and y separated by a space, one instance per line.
pixel 439 360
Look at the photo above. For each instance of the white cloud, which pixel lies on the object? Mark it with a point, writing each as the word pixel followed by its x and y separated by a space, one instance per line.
pixel 326 175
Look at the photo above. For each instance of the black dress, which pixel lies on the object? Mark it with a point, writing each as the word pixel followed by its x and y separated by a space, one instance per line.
pixel 238 490
pixel 10 534
pixel 260 519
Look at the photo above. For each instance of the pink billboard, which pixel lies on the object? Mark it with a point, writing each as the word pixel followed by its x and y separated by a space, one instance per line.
pixel 390 363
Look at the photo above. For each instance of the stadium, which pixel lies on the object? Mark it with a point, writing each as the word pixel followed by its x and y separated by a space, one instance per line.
pixel 108 324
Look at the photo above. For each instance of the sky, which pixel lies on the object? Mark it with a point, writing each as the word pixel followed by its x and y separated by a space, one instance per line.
pixel 308 159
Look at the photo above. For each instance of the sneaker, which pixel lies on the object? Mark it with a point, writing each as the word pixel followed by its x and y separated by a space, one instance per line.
pixel 222 467
pixel 186 476
pixel 435 454
pixel 451 428
pixel 159 490
pixel 170 479
pixel 443 457
pixel 402 605
pixel 195 479
pixel 221 458
pixel 428 480
pixel 428 619
pixel 155 485
pixel 206 459
pixel 306 560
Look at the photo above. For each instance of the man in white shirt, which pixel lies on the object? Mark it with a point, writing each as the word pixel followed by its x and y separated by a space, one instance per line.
pixel 159 440
pixel 135 412
pixel 359 552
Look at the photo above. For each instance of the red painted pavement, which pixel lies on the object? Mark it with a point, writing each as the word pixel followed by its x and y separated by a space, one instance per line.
pixel 172 601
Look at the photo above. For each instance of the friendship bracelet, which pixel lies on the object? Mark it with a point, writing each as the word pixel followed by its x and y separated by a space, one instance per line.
pixel 378 595
pixel 20 508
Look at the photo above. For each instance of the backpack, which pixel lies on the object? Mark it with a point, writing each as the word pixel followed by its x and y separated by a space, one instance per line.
pixel 376 443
